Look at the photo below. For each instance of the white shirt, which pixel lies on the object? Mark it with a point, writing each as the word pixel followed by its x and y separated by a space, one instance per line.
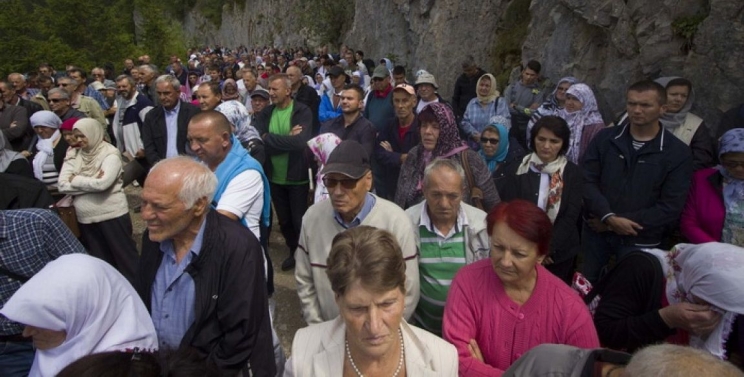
pixel 243 197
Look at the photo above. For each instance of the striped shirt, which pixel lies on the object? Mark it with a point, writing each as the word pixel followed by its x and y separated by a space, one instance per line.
pixel 441 256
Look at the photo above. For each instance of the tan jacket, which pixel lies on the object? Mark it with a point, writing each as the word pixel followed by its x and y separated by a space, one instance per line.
pixel 319 350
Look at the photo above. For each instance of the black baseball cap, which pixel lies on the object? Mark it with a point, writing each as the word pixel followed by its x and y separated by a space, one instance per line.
pixel 348 158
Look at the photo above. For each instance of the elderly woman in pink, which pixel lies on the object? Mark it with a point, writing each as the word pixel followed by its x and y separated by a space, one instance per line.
pixel 499 309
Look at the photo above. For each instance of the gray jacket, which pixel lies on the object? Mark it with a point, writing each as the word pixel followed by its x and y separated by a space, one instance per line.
pixel 559 360
pixel 476 233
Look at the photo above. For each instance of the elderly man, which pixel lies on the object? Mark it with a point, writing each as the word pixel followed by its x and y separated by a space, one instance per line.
pixel 82 78
pixel 14 122
pixel 285 127
pixel 80 102
pixel 147 75
pixel 59 102
pixel 304 94
pixel 127 125
pixel 251 84
pixel 348 177
pixel 449 234
pixel 45 83
pixel 18 81
pixel 29 239
pixel 11 97
pixel 164 131
pixel 201 274
pixel 426 87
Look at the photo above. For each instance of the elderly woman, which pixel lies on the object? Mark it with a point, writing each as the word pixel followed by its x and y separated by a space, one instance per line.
pixel 498 309
pixel 553 104
pixel 439 138
pixel 78 305
pixel 546 178
pixel 369 337
pixel 13 162
pixel 715 205
pixel 584 120
pixel 688 295
pixel 484 107
pixel 496 147
pixel 48 154
pixel 93 177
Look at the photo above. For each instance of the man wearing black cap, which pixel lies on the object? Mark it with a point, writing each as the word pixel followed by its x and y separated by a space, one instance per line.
pixel 348 178
pixel 330 102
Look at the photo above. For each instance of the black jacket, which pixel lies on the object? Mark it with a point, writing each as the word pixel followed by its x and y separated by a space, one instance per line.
pixel 391 160
pixel 734 118
pixel 464 91
pixel 60 151
pixel 565 243
pixel 648 186
pixel 155 134
pixel 231 315
pixel 294 145
pixel 309 97
pixel 361 131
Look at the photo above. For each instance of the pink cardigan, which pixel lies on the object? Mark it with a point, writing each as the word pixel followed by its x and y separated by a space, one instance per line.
pixel 478 308
pixel 704 213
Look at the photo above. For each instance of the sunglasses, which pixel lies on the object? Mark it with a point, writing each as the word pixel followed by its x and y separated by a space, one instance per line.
pixel 486 140
pixel 347 183
pixel 55 100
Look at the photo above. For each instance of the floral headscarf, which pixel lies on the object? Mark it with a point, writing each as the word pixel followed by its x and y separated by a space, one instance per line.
pixel 712 272
pixel 577 120
pixel 322 146
pixel 733 190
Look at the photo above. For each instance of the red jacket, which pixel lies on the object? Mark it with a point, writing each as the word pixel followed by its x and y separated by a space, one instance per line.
pixel 704 213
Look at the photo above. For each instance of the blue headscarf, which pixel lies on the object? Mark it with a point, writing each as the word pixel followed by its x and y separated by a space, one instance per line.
pixel 503 148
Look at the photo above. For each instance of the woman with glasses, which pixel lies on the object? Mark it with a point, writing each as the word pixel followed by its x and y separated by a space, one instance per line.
pixel 546 178
pixel 439 138
pixel 714 211
pixel 496 147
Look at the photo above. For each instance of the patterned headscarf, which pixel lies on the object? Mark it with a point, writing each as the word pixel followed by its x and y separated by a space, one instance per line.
pixel 733 190
pixel 577 120
pixel 712 272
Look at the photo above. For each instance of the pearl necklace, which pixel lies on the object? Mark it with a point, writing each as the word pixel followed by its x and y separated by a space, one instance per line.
pixel 400 362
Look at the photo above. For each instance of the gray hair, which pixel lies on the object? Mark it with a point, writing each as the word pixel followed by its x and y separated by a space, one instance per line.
pixel 282 77
pixel 16 74
pixel 443 163
pixel 171 80
pixel 125 77
pixel 674 360
pixel 197 181
pixel 62 93
pixel 70 79
pixel 148 68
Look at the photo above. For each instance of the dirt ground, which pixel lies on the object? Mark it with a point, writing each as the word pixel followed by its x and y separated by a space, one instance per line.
pixel 287 315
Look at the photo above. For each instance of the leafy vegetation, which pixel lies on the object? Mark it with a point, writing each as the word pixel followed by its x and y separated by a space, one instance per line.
pixel 85 33
pixel 687 27
pixel 511 34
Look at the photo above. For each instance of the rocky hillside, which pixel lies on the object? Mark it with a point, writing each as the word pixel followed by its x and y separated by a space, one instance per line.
pixel 607 43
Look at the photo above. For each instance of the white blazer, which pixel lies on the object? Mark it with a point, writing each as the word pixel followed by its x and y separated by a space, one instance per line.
pixel 318 350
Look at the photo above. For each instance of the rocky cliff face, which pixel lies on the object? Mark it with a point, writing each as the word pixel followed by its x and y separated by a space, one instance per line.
pixel 606 43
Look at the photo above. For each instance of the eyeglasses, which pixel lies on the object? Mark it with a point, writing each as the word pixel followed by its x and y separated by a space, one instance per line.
pixel 55 100
pixel 347 183
pixel 63 85
pixel 732 164
pixel 486 140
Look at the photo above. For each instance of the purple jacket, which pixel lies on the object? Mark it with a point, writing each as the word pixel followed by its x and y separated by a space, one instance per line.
pixel 704 213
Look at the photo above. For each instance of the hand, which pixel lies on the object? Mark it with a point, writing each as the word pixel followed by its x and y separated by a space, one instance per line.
pixel 140 153
pixel 13 124
pixel 386 146
pixel 403 158
pixel 693 318
pixel 475 137
pixel 26 154
pixel 596 225
pixel 512 105
pixel 128 156
pixel 100 174
pixel 623 226
pixel 475 352
pixel 295 130
pixel 72 176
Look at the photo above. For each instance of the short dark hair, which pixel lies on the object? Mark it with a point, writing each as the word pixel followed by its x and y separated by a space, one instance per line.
pixel 556 125
pixel 43 78
pixel 113 364
pixel 214 67
pixel 399 70
pixel 213 86
pixel 650 86
pixel 534 65
pixel 83 75
pixel 679 81
pixel 360 52
pixel 357 89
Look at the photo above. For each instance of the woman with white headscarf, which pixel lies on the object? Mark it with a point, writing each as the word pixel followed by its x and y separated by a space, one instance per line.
pixel 78 305
pixel 688 295
pixel 13 162
pixel 582 115
pixel 94 177
pixel 486 108
pixel 48 154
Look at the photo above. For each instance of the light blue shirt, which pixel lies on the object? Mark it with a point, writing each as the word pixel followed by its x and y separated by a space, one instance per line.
pixel 171 126
pixel 174 294
pixel 369 202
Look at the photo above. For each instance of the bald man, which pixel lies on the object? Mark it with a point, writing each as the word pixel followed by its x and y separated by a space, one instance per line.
pixel 304 94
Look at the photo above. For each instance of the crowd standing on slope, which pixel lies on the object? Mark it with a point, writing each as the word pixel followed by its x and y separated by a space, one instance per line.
pixel 508 231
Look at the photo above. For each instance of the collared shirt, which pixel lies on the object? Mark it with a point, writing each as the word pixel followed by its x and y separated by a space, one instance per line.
pixel 96 95
pixel 425 221
pixel 29 239
pixel 369 202
pixel 174 293
pixel 171 126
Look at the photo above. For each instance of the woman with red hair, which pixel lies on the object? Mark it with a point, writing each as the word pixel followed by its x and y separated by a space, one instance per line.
pixel 499 309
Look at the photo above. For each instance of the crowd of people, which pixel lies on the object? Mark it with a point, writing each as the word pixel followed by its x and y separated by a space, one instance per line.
pixel 510 232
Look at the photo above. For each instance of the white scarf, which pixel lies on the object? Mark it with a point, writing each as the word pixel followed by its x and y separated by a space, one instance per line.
pixel 713 272
pixel 91 301
pixel 45 148
pixel 554 170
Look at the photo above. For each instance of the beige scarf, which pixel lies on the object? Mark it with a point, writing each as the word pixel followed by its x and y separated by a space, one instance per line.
pixel 91 157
